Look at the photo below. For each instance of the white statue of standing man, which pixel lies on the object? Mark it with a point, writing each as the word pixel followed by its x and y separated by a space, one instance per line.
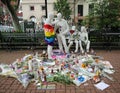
pixel 62 29
pixel 49 34
pixel 84 39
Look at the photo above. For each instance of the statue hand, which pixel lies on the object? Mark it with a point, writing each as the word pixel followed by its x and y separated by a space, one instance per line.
pixel 64 33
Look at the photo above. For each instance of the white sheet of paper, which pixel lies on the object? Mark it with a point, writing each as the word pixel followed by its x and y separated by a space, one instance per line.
pixel 101 85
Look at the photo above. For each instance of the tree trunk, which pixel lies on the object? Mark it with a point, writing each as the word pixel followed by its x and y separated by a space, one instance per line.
pixel 13 15
pixel 14 18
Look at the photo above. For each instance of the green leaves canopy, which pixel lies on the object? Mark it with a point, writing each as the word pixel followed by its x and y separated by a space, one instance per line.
pixel 63 7
pixel 104 14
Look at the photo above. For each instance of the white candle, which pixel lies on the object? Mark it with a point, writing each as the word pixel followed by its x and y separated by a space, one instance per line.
pixel 30 65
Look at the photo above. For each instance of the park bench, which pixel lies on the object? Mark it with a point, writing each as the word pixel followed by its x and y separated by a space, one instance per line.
pixel 105 40
pixel 21 40
pixel 112 40
pixel 5 40
pixel 26 40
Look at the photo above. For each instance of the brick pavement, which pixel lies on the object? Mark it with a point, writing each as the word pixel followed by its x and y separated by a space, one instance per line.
pixel 12 85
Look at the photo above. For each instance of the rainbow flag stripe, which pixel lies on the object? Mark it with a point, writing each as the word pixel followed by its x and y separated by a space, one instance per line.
pixel 49 34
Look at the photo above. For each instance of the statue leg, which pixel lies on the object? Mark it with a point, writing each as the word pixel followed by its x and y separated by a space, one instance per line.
pixel 88 46
pixel 60 43
pixel 76 45
pixel 70 44
pixel 81 48
pixel 64 43
pixel 49 51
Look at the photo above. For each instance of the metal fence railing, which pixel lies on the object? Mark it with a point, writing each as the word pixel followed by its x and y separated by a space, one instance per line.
pixel 13 40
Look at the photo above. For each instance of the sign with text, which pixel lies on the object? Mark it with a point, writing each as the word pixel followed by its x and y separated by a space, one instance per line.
pixel 29 26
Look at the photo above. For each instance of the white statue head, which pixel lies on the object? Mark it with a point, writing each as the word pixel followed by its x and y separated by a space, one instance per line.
pixel 83 29
pixel 59 16
pixel 73 27
pixel 50 15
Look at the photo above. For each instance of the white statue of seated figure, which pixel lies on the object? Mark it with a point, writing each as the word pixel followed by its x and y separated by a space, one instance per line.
pixel 84 39
pixel 74 38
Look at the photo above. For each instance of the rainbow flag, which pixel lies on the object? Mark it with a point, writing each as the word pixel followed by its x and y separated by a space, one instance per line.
pixel 49 34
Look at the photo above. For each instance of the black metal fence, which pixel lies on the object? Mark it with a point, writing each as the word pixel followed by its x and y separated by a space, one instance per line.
pixel 13 40
pixel 105 39
pixel 19 40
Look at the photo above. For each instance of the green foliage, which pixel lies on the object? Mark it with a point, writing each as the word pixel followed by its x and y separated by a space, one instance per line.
pixel 1 14
pixel 63 7
pixel 1 10
pixel 86 21
pixel 105 13
pixel 58 77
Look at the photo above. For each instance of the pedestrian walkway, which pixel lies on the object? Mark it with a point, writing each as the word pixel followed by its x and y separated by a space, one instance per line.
pixel 12 85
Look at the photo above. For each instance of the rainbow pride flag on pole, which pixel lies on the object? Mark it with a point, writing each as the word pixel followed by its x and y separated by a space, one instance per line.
pixel 49 34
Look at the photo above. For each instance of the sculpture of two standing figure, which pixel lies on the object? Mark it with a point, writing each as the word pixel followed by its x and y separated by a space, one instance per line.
pixel 61 28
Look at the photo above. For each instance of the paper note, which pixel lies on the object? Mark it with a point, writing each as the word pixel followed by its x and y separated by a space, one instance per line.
pixel 101 85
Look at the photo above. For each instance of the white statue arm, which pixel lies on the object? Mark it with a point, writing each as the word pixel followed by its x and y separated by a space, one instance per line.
pixel 55 25
pixel 67 28
pixel 54 22
pixel 86 36
pixel 70 38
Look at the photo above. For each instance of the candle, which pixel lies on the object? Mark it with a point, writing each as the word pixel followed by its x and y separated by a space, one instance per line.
pixel 30 65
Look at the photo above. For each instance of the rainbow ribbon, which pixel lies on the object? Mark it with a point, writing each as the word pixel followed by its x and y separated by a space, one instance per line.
pixel 49 34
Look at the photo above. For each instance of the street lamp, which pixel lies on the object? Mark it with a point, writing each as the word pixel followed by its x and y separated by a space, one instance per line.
pixel 46 8
pixel 74 11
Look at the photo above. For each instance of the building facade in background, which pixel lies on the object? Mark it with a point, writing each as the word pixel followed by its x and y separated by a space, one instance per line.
pixel 35 9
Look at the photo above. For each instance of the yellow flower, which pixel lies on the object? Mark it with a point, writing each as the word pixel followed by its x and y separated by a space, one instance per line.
pixel 30 57
pixel 83 65
pixel 41 68
pixel 96 60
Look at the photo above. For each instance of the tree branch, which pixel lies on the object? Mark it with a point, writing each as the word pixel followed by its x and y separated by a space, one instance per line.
pixel 17 6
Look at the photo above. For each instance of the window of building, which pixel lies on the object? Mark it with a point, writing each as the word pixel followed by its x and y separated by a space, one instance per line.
pixel 91 7
pixel 79 22
pixel 43 7
pixel 32 8
pixel 80 10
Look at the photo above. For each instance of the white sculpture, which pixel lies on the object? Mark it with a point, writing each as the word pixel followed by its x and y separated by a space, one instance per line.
pixel 84 39
pixel 74 38
pixel 62 29
pixel 49 34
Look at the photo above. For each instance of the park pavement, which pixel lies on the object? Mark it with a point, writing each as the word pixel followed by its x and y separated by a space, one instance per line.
pixel 12 85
